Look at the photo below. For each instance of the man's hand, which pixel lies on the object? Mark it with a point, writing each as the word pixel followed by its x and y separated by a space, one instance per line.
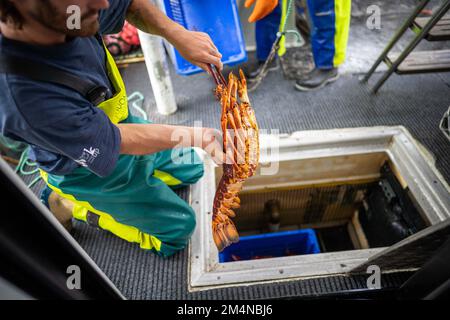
pixel 212 143
pixel 197 48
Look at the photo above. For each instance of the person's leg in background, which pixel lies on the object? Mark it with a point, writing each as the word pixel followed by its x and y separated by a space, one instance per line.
pixel 265 34
pixel 302 21
pixel 330 27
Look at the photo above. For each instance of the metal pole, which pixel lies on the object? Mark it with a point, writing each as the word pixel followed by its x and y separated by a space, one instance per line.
pixel 396 37
pixel 158 72
pixel 430 24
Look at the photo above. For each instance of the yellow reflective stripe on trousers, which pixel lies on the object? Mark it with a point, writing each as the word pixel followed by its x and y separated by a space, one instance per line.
pixel 342 14
pixel 166 178
pixel 282 45
pixel 107 222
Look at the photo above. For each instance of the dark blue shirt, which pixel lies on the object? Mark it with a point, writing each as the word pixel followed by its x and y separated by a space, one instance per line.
pixel 63 129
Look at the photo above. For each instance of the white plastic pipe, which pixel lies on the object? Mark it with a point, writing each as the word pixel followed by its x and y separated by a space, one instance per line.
pixel 158 72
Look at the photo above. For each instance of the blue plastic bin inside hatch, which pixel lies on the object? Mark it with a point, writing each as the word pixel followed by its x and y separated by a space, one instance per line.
pixel 272 245
pixel 218 18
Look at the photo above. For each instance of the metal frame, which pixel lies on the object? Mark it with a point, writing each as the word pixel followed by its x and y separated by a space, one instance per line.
pixel 411 46
pixel 413 164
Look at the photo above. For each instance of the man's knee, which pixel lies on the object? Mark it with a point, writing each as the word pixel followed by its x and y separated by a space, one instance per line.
pixel 195 169
pixel 179 239
pixel 189 224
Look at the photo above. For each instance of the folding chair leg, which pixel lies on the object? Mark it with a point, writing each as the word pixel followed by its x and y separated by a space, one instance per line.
pixel 396 37
pixel 430 24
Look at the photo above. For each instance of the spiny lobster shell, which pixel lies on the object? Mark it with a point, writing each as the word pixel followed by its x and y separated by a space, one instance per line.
pixel 240 133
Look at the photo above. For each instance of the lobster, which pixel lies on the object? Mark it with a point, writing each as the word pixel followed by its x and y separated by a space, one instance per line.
pixel 241 142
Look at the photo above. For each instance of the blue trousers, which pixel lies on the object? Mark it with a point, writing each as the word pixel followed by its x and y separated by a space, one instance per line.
pixel 266 33
pixel 330 21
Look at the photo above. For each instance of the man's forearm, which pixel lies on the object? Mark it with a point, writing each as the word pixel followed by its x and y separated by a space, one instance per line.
pixel 147 17
pixel 141 139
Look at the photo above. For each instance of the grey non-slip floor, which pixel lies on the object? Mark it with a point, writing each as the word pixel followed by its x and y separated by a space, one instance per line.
pixel 417 102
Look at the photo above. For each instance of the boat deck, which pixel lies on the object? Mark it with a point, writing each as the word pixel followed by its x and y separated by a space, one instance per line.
pixel 417 102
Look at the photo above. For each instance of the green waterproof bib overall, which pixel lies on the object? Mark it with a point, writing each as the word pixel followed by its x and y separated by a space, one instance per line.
pixel 136 201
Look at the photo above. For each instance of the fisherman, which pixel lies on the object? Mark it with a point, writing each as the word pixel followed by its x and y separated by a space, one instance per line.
pixel 109 168
pixel 330 23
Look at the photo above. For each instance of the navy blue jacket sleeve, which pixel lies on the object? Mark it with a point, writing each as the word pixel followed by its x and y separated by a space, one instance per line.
pixel 113 18
pixel 65 123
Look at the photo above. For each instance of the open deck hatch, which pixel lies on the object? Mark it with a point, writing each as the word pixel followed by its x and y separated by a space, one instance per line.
pixel 360 190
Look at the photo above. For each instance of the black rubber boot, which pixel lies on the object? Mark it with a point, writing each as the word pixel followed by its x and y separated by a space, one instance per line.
pixel 317 79
pixel 256 69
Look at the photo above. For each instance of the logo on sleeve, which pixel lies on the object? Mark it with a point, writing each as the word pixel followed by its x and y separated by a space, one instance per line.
pixel 88 156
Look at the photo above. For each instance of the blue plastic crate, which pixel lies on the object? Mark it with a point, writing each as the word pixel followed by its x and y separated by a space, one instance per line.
pixel 218 18
pixel 272 245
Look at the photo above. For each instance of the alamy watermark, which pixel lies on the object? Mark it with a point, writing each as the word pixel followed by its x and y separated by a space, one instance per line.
pixel 374 17
pixel 73 21
pixel 73 281
pixel 374 280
